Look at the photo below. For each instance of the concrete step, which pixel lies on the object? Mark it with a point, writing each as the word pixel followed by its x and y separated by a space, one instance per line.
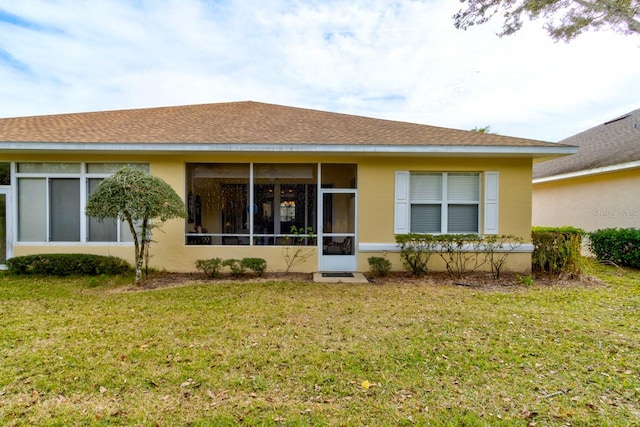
pixel 339 277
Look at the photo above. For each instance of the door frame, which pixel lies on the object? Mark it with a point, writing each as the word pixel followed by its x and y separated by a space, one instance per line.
pixel 337 263
pixel 7 191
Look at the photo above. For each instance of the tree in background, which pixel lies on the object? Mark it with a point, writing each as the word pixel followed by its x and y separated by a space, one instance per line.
pixel 565 19
pixel 136 197
pixel 486 129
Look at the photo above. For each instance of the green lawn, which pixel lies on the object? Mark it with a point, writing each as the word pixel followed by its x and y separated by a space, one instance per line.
pixel 78 352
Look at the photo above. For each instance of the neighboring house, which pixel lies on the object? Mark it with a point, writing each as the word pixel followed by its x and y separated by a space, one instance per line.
pixel 249 171
pixel 597 188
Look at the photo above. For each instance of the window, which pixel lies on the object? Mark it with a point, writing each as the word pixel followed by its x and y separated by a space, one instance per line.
pixel 51 199
pixel 64 209
pixel 226 207
pixel 217 203
pixel 447 202
pixel 5 173
pixel 259 203
pixel 109 230
pixel 284 197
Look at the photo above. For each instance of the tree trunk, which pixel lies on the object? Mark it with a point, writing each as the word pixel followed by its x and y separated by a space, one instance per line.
pixel 137 250
pixel 140 248
pixel 138 280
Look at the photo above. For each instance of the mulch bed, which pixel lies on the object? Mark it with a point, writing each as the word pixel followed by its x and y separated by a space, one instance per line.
pixel 477 280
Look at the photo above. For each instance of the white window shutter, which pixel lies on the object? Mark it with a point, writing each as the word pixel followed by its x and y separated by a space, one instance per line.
pixel 491 190
pixel 402 203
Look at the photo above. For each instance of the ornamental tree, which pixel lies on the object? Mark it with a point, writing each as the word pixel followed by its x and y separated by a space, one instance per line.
pixel 136 197
pixel 565 19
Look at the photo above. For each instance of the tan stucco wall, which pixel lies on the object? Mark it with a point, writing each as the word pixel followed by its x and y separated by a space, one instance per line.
pixel 376 186
pixel 591 203
pixel 375 206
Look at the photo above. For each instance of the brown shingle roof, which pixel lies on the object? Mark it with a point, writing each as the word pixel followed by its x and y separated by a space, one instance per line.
pixel 239 123
pixel 612 143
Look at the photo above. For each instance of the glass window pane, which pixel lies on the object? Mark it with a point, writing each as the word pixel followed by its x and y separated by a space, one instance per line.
pixel 426 187
pixel 5 174
pixel 297 207
pixel 111 168
pixel 49 167
pixel 125 232
pixel 338 246
pixel 32 214
pixel 3 229
pixel 64 208
pixel 339 215
pixel 426 218
pixel 284 172
pixel 463 187
pixel 105 231
pixel 218 199
pixel 339 175
pixel 284 197
pixel 462 219
pixel 264 198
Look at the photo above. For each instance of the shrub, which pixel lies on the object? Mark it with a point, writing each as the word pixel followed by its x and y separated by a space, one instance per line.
pixel 618 245
pixel 525 280
pixel 210 267
pixel 458 250
pixel 497 250
pixel 297 251
pixel 257 265
pixel 557 250
pixel 67 265
pixel 379 266
pixel 235 265
pixel 415 251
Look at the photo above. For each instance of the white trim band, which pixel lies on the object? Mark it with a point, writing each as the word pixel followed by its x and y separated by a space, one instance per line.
pixel 393 247
pixel 170 147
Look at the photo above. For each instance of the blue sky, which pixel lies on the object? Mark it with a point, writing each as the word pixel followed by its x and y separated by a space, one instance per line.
pixel 399 60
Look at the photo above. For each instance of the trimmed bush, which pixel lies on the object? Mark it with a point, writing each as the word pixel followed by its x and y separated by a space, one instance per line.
pixel 67 265
pixel 236 267
pixel 257 265
pixel 459 252
pixel 210 267
pixel 497 249
pixel 380 267
pixel 618 245
pixel 557 250
pixel 415 251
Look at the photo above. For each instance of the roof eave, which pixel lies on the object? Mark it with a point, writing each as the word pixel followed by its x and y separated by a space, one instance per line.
pixel 588 172
pixel 363 149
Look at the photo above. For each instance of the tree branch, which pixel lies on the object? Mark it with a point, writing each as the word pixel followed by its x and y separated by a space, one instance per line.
pixel 572 16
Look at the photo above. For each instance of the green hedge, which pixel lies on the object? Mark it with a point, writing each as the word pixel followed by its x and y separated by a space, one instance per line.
pixel 461 253
pixel 618 245
pixel 557 249
pixel 257 265
pixel 67 265
pixel 213 267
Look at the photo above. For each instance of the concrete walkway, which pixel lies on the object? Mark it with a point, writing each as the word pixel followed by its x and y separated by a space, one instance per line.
pixel 339 278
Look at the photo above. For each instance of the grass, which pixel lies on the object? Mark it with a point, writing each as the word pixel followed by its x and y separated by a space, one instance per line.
pixel 78 352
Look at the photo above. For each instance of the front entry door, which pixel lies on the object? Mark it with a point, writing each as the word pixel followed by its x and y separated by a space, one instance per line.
pixel 339 224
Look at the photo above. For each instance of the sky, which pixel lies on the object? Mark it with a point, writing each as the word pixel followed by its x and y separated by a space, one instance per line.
pixel 392 59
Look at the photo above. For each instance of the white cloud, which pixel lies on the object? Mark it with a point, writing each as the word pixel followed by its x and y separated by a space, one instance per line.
pixel 401 60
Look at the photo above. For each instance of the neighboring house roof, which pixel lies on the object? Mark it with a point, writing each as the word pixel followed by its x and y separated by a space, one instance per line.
pixel 610 146
pixel 250 126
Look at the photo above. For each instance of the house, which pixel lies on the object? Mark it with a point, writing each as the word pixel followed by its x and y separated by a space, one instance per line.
pixel 596 188
pixel 249 172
